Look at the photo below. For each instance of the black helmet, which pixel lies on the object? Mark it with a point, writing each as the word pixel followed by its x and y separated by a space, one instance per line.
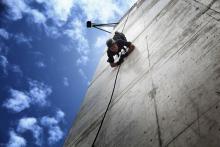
pixel 110 42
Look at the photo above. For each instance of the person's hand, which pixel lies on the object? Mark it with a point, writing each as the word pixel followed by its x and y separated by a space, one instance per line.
pixel 124 55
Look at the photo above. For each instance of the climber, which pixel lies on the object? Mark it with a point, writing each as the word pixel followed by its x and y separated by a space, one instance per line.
pixel 115 46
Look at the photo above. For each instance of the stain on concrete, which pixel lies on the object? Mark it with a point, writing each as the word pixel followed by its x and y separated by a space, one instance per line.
pixel 152 93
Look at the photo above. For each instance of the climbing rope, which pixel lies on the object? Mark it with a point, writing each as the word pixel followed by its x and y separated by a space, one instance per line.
pixel 93 144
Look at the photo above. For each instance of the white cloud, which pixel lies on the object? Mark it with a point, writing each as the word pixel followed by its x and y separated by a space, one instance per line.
pixel 17 8
pixel 21 38
pixel 37 16
pixel 66 48
pixel 103 11
pixel 48 121
pixel 77 33
pixel 37 95
pixel 41 64
pixel 52 31
pixel 52 121
pixel 18 101
pixel 54 131
pixel 30 124
pixel 16 140
pixel 4 34
pixel 82 60
pixel 5 66
pixel 82 73
pixel 4 49
pixel 100 41
pixel 66 82
pixel 60 115
pixel 99 10
pixel 3 63
pixel 39 92
pixel 16 69
pixel 55 134
pixel 54 9
pixel 57 10
pixel 88 83
pixel 126 3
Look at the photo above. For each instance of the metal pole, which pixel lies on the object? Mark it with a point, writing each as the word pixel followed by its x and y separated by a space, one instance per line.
pixel 109 24
pixel 101 29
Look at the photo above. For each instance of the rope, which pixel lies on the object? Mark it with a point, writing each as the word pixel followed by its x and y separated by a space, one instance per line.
pixel 125 23
pixel 93 144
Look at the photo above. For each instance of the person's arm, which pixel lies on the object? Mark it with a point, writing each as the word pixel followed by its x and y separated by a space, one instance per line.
pixel 131 47
pixel 111 61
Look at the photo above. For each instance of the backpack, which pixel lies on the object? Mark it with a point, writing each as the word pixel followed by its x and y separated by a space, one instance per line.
pixel 119 36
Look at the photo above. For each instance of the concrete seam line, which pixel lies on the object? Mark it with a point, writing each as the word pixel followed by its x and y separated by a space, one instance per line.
pixel 193 122
pixel 154 99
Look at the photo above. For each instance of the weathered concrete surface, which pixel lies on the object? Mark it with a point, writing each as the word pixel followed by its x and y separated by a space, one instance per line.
pixel 168 90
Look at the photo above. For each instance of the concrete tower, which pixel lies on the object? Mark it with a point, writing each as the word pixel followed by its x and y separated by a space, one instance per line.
pixel 167 92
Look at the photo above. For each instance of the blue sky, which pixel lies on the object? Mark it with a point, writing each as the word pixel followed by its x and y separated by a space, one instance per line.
pixel 47 59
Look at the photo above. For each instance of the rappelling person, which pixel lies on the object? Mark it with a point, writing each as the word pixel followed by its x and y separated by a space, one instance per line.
pixel 116 46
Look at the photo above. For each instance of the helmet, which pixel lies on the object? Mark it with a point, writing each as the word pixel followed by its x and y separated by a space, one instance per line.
pixel 110 42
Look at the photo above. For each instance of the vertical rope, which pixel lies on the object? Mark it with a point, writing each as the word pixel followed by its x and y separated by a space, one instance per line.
pixel 93 144
pixel 125 23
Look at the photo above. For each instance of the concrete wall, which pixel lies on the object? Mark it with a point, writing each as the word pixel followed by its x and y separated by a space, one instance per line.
pixel 168 90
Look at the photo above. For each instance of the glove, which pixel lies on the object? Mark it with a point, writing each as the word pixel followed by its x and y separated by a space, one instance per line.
pixel 124 55
pixel 121 60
